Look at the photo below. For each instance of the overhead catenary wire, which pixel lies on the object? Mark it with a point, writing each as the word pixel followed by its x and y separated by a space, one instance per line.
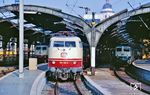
pixel 74 11
pixel 71 6
pixel 67 1
pixel 140 17
pixel 135 3
pixel 74 5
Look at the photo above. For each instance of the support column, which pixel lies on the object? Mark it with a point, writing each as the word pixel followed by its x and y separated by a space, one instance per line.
pixel 21 38
pixel 93 60
pixel 93 45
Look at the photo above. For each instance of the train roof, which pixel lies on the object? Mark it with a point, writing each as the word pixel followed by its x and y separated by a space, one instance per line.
pixel 67 38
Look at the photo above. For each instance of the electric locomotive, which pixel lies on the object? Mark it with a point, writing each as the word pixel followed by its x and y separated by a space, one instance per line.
pixel 65 57
pixel 41 51
pixel 123 52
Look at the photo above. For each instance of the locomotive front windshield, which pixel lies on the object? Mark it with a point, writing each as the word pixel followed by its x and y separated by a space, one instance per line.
pixel 119 49
pixel 44 48
pixel 70 44
pixel 41 48
pixel 126 49
pixel 58 43
pixel 64 44
pixel 38 48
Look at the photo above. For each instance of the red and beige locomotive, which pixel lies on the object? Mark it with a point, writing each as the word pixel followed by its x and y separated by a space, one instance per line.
pixel 65 57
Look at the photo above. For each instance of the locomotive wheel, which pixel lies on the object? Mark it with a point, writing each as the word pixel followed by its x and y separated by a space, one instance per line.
pixel 56 74
pixel 77 75
pixel 50 76
pixel 64 76
pixel 47 75
pixel 74 76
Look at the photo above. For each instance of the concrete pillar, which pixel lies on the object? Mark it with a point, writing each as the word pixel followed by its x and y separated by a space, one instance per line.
pixel 93 44
pixel 93 60
pixel 21 38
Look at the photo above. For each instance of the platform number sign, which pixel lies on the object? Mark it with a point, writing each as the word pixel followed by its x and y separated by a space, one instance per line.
pixel 135 86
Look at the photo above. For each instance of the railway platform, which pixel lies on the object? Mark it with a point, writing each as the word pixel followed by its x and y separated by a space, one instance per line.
pixel 105 81
pixel 11 84
pixel 128 79
pixel 143 64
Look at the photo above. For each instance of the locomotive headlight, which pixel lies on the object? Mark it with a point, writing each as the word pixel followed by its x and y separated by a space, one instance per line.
pixel 53 62
pixel 74 62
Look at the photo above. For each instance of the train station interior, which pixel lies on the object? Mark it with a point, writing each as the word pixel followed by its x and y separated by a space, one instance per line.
pixel 40 27
pixel 112 74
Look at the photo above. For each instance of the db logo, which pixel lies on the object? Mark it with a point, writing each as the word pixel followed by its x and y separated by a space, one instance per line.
pixel 63 54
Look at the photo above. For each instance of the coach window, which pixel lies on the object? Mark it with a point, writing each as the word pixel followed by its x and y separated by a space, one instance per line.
pixel 58 43
pixel 70 44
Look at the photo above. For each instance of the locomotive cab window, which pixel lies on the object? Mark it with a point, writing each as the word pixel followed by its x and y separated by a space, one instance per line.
pixel 126 49
pixel 118 49
pixel 70 44
pixel 44 48
pixel 38 48
pixel 58 43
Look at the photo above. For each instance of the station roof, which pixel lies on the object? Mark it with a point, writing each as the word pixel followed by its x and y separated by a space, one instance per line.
pixel 135 30
pixel 38 25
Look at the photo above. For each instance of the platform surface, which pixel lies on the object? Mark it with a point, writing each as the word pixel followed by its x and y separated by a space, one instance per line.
pixel 110 85
pixel 13 85
pixel 144 64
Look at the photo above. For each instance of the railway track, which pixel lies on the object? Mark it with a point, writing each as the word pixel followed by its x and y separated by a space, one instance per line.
pixel 121 74
pixel 66 88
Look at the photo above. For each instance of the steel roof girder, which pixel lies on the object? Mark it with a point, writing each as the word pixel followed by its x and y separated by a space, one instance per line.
pixel 103 26
pixel 121 16
pixel 138 11
pixel 35 8
pixel 76 20
pixel 56 13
